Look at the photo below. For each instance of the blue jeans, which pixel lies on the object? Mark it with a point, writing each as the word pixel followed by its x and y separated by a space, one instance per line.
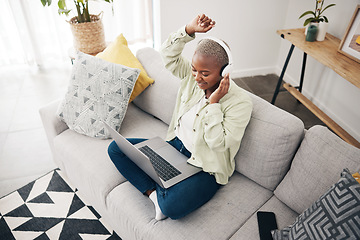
pixel 176 201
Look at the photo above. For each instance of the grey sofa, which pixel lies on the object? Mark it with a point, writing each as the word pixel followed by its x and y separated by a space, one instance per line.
pixel 280 167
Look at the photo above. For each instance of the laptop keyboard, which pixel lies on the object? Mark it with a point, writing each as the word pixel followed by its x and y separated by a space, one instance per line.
pixel 164 169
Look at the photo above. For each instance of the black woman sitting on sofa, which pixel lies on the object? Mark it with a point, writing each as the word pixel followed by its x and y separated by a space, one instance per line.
pixel 210 116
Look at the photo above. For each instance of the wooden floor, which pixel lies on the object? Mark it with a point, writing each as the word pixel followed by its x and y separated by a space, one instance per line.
pixel 264 87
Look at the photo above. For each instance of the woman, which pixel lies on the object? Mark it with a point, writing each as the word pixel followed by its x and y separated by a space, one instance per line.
pixel 207 126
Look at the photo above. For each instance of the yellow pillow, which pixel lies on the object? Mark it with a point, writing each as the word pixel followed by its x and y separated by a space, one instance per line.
pixel 356 176
pixel 118 52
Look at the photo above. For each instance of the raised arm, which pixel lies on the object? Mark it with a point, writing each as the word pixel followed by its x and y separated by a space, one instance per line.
pixel 172 48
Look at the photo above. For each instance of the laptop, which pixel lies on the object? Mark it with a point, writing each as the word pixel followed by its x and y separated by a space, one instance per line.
pixel 157 158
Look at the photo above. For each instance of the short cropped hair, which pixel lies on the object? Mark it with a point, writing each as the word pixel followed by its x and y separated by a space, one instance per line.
pixel 210 47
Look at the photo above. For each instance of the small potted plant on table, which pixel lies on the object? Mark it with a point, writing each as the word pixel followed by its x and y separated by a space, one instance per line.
pixel 87 29
pixel 318 19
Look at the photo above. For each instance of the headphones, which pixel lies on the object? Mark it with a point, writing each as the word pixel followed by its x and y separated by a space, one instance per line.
pixel 228 68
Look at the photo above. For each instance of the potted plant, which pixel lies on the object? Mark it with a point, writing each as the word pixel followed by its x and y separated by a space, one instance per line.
pixel 87 29
pixel 318 19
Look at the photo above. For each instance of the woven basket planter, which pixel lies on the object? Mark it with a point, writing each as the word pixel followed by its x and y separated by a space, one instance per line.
pixel 88 36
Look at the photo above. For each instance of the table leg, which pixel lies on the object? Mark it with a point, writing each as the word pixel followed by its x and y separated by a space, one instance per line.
pixel 302 72
pixel 282 74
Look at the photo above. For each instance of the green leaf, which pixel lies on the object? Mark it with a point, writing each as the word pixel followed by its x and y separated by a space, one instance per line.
pixel 62 4
pixel 63 8
pixel 46 2
pixel 64 11
pixel 325 18
pixel 307 13
pixel 309 20
pixel 327 7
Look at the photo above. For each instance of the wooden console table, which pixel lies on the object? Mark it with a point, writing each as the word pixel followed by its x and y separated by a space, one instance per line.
pixel 326 52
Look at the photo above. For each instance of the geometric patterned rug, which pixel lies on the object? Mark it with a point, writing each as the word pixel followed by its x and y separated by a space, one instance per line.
pixel 49 208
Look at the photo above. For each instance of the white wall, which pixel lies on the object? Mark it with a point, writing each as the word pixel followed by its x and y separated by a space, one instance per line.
pixel 249 27
pixel 331 93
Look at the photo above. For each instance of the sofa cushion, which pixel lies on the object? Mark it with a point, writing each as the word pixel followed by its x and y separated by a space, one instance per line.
pixel 139 124
pixel 269 143
pixel 283 214
pixel 159 98
pixel 98 92
pixel 316 166
pixel 335 215
pixel 118 52
pixel 229 209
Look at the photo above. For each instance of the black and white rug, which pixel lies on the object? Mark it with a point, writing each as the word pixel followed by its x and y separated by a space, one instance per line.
pixel 49 208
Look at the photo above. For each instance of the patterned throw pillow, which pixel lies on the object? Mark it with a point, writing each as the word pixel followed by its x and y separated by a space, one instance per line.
pixel 335 215
pixel 98 92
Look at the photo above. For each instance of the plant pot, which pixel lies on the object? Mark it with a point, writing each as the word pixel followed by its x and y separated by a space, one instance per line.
pixel 322 29
pixel 311 33
pixel 312 23
pixel 89 37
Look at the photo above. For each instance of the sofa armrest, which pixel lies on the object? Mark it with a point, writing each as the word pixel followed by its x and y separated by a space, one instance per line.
pixel 52 124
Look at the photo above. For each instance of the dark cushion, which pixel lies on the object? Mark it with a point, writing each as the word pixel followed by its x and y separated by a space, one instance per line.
pixel 335 215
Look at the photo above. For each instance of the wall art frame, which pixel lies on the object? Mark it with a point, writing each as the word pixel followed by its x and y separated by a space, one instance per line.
pixel 350 44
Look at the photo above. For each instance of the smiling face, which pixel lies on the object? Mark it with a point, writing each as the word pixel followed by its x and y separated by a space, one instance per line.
pixel 206 71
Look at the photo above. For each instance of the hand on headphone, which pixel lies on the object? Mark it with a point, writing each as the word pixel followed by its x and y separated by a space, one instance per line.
pixel 200 23
pixel 221 91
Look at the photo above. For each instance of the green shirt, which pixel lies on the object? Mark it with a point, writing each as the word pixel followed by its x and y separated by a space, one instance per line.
pixel 219 127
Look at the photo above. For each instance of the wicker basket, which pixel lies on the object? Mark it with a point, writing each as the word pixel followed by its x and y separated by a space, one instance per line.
pixel 88 36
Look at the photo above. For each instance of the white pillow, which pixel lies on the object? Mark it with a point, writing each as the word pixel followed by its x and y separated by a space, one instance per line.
pixel 98 91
